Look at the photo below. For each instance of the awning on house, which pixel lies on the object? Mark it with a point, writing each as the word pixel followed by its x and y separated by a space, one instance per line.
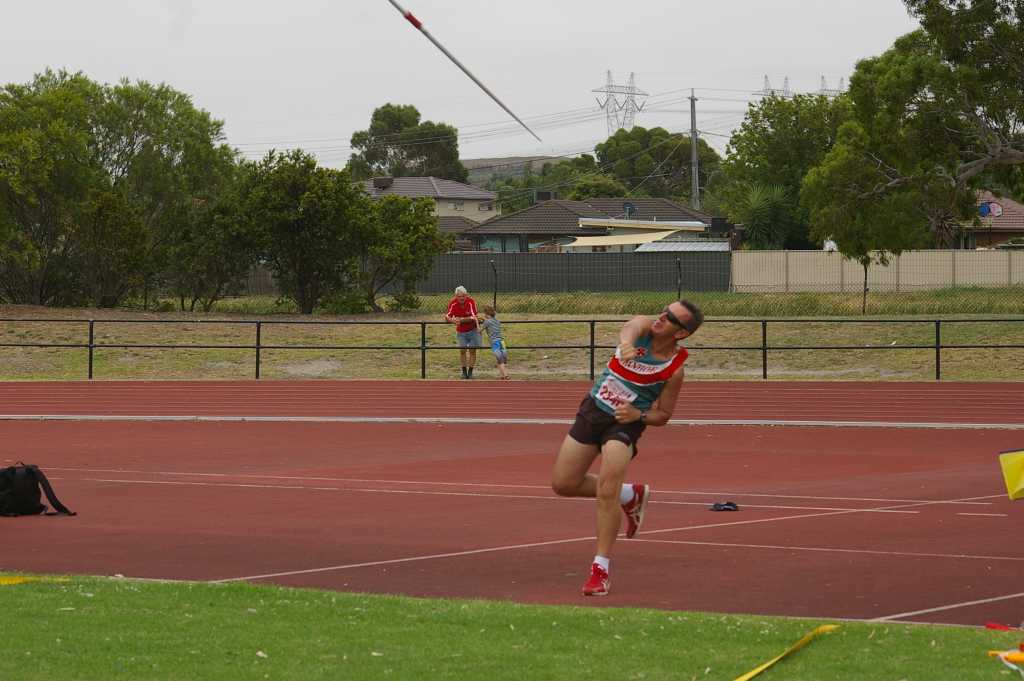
pixel 621 239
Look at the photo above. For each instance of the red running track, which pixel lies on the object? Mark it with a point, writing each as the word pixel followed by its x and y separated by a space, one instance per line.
pixel 909 524
pixel 978 403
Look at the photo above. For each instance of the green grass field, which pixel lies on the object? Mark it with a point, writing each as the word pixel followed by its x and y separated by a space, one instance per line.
pixel 97 628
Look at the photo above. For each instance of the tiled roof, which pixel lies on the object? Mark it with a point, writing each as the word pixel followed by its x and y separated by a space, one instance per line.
pixel 1011 220
pixel 562 217
pixel 648 209
pixel 455 224
pixel 547 217
pixel 431 187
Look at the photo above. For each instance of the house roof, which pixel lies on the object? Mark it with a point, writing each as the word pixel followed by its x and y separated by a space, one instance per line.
pixel 547 217
pixel 562 217
pixel 455 224
pixel 431 187
pixel 648 209
pixel 1012 219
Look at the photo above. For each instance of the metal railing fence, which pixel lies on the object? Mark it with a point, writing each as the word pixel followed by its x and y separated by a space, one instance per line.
pixel 423 347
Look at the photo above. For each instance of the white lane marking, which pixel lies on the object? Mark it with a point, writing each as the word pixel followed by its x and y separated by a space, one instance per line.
pixel 324 489
pixel 504 421
pixel 393 561
pixel 963 556
pixel 659 492
pixel 952 606
pixel 520 546
pixel 987 515
pixel 427 493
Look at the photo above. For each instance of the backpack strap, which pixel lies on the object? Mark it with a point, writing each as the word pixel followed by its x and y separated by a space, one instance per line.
pixel 50 496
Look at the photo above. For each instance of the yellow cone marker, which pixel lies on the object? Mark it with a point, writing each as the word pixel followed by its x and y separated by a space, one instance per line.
pixel 1012 464
pixel 823 629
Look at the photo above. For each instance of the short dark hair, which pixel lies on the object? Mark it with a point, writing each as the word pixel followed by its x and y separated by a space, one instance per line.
pixel 696 316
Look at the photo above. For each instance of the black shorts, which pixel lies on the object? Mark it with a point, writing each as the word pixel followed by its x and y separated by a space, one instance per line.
pixel 594 426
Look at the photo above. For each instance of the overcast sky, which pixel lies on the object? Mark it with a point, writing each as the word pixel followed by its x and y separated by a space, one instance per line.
pixel 308 73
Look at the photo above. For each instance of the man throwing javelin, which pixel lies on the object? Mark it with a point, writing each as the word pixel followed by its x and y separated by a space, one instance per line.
pixel 638 388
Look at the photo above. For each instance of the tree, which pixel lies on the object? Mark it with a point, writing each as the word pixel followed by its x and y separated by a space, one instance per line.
pixel 869 228
pixel 981 45
pixel 46 175
pixel 516 193
pixel 399 145
pixel 217 246
pixel 163 154
pixel 597 186
pixel 67 146
pixel 655 162
pixel 312 222
pixel 402 242
pixel 766 215
pixel 938 115
pixel 108 248
pixel 779 140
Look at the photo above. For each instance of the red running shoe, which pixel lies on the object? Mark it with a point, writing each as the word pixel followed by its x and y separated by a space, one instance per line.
pixel 634 510
pixel 599 583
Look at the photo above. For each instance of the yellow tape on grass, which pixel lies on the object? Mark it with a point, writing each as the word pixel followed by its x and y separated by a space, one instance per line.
pixel 12 580
pixel 823 629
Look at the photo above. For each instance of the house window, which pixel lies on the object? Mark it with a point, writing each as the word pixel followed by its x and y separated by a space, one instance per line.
pixel 598 249
pixel 457 205
pixel 485 206
pixel 491 243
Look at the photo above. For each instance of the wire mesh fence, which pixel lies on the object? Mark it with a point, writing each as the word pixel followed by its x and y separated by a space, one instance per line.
pixel 741 283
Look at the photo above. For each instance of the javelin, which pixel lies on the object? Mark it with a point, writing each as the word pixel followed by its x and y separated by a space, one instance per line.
pixel 416 22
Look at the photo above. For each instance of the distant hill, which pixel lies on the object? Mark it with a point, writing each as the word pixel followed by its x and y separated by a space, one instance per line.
pixel 481 170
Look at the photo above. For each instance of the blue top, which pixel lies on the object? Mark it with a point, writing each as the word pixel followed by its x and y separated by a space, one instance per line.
pixel 638 381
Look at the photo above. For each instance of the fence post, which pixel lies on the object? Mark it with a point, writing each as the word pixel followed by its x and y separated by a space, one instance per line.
pixel 787 270
pixel 92 337
pixel 494 300
pixel 259 339
pixel 423 349
pixel 764 349
pixel 938 350
pixel 592 336
pixel 679 278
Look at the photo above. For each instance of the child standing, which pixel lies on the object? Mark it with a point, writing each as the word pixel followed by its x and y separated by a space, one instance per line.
pixel 489 322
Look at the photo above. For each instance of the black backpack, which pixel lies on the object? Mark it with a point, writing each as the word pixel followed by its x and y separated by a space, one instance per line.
pixel 19 492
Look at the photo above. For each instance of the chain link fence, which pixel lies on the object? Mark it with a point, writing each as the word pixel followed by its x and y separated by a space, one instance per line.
pixel 741 283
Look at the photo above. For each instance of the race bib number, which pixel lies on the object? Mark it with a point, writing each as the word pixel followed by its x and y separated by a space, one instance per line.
pixel 613 393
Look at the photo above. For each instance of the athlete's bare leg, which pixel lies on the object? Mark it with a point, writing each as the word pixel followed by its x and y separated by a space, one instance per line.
pixel 615 458
pixel 570 477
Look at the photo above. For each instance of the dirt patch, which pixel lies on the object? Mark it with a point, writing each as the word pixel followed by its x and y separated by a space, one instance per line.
pixel 313 369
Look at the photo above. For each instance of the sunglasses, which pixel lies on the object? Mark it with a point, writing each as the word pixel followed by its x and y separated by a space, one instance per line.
pixel 672 318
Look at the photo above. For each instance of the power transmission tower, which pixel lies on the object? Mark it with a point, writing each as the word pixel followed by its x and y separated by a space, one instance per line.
pixel 830 92
pixel 768 90
pixel 620 114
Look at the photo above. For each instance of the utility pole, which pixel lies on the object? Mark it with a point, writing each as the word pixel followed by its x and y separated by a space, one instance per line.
pixel 694 167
